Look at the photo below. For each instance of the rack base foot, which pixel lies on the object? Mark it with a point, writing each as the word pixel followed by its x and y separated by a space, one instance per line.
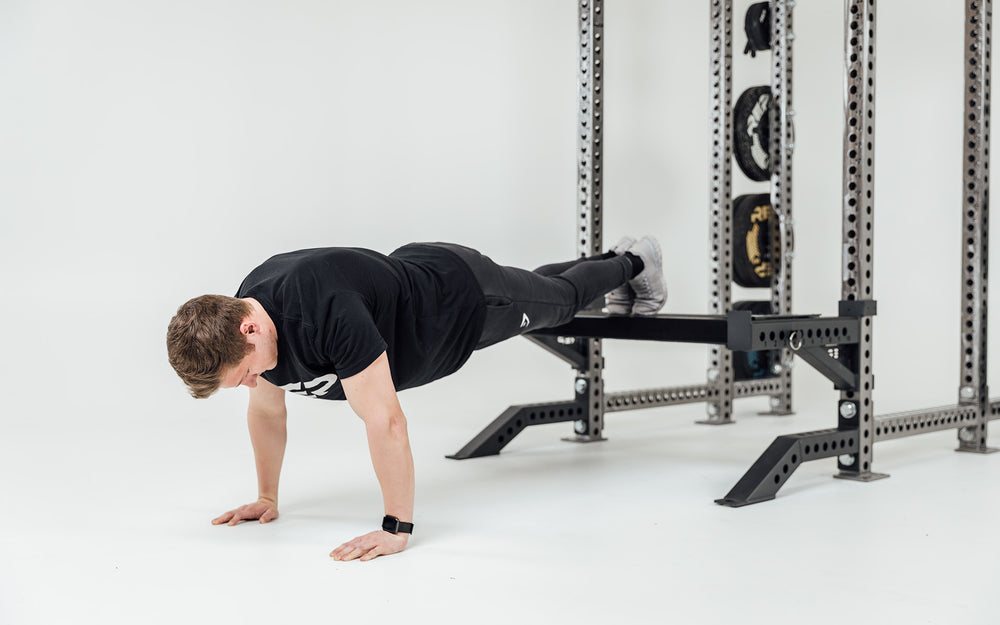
pixel 978 450
pixel 861 477
pixel 711 421
pixel 583 439
pixel 512 421
pixel 779 461
pixel 739 503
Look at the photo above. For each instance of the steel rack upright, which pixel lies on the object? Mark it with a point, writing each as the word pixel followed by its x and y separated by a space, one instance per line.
pixel 858 428
pixel 721 380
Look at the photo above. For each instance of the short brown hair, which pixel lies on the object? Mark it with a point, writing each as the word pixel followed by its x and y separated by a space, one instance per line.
pixel 204 338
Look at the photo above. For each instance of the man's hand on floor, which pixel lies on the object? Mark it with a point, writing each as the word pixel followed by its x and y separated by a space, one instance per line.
pixel 370 546
pixel 263 510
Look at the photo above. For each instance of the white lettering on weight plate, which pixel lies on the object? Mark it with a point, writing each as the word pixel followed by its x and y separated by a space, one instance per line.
pixel 314 388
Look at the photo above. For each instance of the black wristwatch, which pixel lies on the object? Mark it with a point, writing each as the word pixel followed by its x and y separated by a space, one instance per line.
pixel 394 526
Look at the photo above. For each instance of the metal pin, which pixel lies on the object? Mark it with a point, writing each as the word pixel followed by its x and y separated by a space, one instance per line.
pixel 580 427
pixel 968 392
pixel 967 435
pixel 581 387
pixel 846 460
pixel 848 410
pixel 713 375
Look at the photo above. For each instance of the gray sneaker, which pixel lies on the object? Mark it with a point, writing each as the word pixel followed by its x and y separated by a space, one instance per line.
pixel 619 301
pixel 650 286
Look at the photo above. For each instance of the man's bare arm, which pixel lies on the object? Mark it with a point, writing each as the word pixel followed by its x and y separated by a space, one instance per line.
pixel 266 418
pixel 372 396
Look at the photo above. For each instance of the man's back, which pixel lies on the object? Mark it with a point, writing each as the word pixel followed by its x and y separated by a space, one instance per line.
pixel 337 309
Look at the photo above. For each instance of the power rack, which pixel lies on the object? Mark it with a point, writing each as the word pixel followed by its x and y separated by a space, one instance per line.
pixel 584 353
pixel 839 347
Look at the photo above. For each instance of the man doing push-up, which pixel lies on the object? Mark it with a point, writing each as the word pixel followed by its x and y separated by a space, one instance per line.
pixel 350 323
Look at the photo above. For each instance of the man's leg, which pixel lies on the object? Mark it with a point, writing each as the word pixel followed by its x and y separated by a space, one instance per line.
pixel 519 301
pixel 645 293
pixel 555 269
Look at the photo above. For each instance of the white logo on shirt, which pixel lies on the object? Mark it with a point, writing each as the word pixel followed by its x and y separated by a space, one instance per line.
pixel 524 320
pixel 314 388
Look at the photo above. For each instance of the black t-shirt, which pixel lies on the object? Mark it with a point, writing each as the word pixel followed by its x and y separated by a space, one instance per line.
pixel 337 309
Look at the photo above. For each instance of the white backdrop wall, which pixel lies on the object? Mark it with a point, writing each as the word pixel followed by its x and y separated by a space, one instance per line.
pixel 152 151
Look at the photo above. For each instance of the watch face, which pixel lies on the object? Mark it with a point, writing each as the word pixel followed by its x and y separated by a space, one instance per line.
pixel 390 524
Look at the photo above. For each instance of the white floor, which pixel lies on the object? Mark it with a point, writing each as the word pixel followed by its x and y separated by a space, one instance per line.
pixel 108 507
pixel 154 151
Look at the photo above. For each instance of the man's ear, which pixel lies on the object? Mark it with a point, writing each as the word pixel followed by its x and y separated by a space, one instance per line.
pixel 248 326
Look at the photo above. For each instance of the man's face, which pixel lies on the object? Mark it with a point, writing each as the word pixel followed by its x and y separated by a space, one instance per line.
pixel 245 373
pixel 263 357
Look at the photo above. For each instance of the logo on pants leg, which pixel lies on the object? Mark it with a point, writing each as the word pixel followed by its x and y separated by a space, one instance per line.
pixel 524 320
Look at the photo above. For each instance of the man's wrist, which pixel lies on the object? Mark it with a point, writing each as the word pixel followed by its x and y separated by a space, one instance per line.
pixel 268 499
pixel 393 525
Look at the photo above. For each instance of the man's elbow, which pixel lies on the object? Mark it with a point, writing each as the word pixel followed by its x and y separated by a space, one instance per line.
pixel 274 415
pixel 389 425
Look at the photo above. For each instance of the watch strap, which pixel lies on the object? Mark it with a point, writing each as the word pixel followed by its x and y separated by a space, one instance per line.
pixel 393 525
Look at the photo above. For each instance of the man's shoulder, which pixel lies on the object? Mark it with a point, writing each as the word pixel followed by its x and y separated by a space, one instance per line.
pixel 309 258
pixel 311 268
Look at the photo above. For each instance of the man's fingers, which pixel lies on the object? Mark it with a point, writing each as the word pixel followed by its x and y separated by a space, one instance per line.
pixel 347 551
pixel 248 512
pixel 340 552
pixel 371 555
pixel 353 554
pixel 369 547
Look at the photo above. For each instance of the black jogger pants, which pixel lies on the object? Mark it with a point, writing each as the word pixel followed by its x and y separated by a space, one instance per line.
pixel 519 301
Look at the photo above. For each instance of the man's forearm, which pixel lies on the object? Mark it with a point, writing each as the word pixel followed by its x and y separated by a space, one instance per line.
pixel 268 435
pixel 389 445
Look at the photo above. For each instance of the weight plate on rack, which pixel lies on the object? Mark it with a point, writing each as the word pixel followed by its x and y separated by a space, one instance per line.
pixel 758 28
pixel 754 234
pixel 752 133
